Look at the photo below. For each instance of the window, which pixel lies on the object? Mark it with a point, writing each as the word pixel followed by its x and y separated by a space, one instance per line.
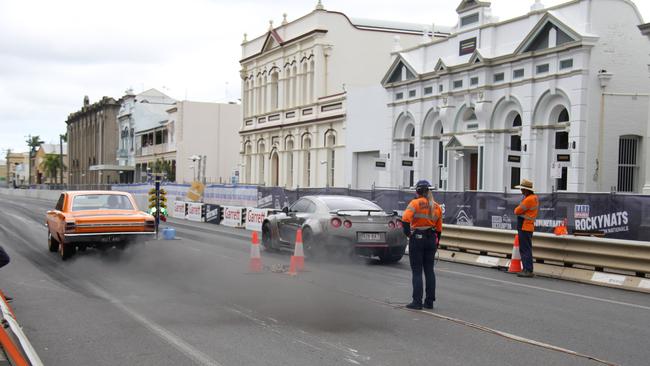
pixel 563 116
pixel 101 202
pixel 562 140
pixel 441 88
pixel 300 206
pixel 412 93
pixel 542 68
pixel 428 90
pixel 469 19
pixel 472 126
pixel 562 182
pixel 458 84
pixel 59 203
pixel 566 64
pixel 498 77
pixel 473 81
pixel 628 148
pixel 332 164
pixel 517 121
pixel 517 74
pixel 399 96
pixel 515 173
pixel 515 142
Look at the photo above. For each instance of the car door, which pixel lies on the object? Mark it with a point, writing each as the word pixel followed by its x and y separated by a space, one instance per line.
pixel 289 225
pixel 54 217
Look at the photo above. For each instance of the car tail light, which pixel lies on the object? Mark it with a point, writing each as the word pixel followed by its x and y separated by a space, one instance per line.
pixel 398 224
pixel 70 226
pixel 347 224
pixel 335 222
pixel 391 225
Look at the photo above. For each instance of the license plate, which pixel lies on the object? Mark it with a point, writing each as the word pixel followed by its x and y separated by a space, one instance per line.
pixel 111 239
pixel 371 237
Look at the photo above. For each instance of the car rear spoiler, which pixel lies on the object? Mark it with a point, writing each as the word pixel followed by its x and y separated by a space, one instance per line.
pixel 342 212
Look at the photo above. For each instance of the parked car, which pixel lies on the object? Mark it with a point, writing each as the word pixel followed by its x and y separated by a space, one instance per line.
pixel 99 219
pixel 336 223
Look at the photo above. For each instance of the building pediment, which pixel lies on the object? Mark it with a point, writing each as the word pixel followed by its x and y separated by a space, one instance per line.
pixel 399 71
pixel 467 5
pixel 272 41
pixel 440 66
pixel 549 32
pixel 462 142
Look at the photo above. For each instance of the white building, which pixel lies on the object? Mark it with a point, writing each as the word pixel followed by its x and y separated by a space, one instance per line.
pixel 554 95
pixel 143 136
pixel 208 131
pixel 295 83
pixel 645 30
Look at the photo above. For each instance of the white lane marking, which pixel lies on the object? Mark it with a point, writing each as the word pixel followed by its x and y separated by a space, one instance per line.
pixel 611 279
pixel 184 347
pixel 515 337
pixel 352 361
pixel 548 290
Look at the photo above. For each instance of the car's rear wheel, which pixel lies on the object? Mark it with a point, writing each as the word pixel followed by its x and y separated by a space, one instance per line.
pixel 392 256
pixel 268 242
pixel 52 244
pixel 67 250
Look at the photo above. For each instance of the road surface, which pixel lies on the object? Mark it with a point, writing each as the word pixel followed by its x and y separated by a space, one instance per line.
pixel 190 302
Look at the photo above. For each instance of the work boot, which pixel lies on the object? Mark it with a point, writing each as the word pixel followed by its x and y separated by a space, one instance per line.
pixel 428 305
pixel 527 274
pixel 414 306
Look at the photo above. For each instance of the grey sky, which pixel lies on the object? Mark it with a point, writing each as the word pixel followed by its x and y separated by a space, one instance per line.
pixel 52 53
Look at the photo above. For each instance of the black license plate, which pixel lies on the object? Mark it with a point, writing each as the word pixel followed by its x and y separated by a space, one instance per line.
pixel 371 237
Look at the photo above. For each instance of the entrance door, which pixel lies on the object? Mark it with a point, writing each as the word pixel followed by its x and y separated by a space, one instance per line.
pixel 473 171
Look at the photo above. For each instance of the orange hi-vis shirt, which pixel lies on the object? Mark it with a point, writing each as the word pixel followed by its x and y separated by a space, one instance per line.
pixel 527 210
pixel 417 214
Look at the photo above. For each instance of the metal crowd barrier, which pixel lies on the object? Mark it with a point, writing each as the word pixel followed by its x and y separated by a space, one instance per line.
pixel 608 255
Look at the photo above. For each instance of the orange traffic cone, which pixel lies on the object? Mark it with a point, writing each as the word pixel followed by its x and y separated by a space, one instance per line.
pixel 298 257
pixel 515 262
pixel 255 264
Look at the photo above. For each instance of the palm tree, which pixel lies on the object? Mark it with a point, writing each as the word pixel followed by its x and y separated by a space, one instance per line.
pixel 51 165
pixel 33 142
pixel 62 138
pixel 164 166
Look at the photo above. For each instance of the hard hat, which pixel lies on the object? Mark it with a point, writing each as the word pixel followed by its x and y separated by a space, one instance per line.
pixel 423 183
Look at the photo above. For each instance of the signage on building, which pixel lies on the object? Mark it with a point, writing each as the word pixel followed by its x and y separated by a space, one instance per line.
pixel 581 211
pixel 564 157
pixel 407 162
pixel 609 223
pixel 514 158
pixel 467 46
pixel 380 164
pixel 255 218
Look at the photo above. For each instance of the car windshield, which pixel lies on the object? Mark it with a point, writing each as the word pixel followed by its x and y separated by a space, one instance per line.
pixel 349 204
pixel 101 202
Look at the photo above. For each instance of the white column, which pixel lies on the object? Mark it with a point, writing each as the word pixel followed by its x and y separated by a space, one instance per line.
pixel 319 73
pixel 646 147
pixel 281 90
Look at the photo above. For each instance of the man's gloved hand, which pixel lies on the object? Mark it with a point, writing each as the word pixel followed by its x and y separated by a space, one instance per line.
pixel 406 229
pixel 438 234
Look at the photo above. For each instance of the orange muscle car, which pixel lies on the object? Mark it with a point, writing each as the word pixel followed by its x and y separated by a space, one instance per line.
pixel 99 219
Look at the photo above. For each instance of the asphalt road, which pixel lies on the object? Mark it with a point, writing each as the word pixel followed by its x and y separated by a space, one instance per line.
pixel 191 302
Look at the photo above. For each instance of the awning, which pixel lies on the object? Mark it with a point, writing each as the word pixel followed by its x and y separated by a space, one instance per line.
pixel 108 167
pixel 462 142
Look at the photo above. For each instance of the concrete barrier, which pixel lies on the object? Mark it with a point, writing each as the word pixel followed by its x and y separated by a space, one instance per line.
pixel 32 193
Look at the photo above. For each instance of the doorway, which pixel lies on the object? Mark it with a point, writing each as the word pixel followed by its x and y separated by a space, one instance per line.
pixel 473 171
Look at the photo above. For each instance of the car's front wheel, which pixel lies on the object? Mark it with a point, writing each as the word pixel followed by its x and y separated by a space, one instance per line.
pixel 268 241
pixel 52 244
pixel 67 250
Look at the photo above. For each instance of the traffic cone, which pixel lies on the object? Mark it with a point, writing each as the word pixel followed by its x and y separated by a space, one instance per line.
pixel 298 257
pixel 255 264
pixel 515 262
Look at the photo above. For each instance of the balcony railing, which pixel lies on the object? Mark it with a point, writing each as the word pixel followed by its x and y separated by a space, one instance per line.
pixel 156 149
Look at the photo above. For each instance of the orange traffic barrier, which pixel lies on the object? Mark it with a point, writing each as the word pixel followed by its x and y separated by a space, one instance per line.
pixel 298 257
pixel 255 264
pixel 515 262
pixel 7 344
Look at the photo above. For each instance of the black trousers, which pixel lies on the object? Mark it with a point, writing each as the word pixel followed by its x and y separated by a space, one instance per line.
pixel 422 251
pixel 526 249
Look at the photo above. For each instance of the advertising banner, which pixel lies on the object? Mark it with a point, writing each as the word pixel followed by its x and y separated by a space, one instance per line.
pixel 255 217
pixel 194 211
pixel 225 195
pixel 233 216
pixel 179 210
pixel 212 213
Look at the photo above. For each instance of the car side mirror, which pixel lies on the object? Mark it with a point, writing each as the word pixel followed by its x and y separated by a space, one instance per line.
pixel 285 209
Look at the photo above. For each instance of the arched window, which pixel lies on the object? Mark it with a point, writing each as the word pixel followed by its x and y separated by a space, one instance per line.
pixel 274 91
pixel 261 150
pixel 330 143
pixel 289 149
pixel 563 116
pixel 306 146
pixel 248 152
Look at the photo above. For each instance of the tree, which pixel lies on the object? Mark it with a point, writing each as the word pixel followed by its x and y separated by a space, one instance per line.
pixel 51 165
pixel 33 142
pixel 62 138
pixel 162 166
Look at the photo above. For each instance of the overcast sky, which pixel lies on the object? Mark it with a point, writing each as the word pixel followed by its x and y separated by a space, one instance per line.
pixel 52 53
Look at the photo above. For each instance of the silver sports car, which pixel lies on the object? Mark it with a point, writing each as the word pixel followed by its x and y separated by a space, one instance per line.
pixel 336 224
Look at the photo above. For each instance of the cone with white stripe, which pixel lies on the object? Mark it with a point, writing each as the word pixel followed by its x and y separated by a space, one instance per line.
pixel 255 264
pixel 515 262
pixel 298 257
